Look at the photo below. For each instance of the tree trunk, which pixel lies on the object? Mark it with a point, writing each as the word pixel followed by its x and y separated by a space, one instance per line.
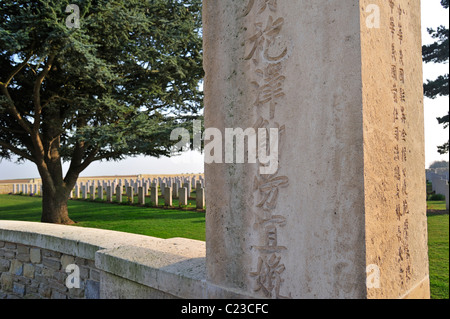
pixel 54 206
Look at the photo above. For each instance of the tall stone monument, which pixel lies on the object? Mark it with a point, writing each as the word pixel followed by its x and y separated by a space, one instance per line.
pixel 342 213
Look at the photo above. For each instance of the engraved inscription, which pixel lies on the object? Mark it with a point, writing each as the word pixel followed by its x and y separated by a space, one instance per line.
pixel 267 63
pixel 400 150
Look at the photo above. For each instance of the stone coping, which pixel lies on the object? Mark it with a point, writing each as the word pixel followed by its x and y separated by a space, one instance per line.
pixel 175 266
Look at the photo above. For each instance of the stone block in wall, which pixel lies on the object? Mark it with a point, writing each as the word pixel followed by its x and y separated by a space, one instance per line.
pixel 23 257
pixel 6 282
pixel 28 270
pixel 51 263
pixel 44 291
pixel 19 289
pixel 10 246
pixel 67 260
pixel 4 265
pixel 92 290
pixel 16 267
pixel 58 295
pixel 35 255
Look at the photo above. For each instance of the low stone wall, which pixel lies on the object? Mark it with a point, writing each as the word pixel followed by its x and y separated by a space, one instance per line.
pixel 32 272
pixel 34 260
pixel 6 188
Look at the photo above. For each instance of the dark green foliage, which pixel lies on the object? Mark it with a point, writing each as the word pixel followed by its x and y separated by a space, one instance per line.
pixel 437 197
pixel 438 52
pixel 114 87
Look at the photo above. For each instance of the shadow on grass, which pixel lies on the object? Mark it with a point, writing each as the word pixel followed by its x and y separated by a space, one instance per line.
pixel 27 208
pixel 157 222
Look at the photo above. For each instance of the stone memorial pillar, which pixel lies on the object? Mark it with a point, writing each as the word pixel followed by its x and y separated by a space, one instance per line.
pixel 77 191
pixel 119 193
pixel 84 191
pixel 154 195
pixel 130 194
pixel 100 192
pixel 200 198
pixel 330 200
pixel 109 193
pixel 92 189
pixel 168 196
pixel 141 195
pixel 175 192
pixel 183 192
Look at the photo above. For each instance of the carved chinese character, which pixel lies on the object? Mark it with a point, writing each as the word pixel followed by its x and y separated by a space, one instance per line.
pixel 400 32
pixel 397 174
pixel 392 26
pixel 400 11
pixel 405 188
pixel 402 94
pixel 392 5
pixel 404 154
pixel 398 212
pixel 403 115
pixel 272 88
pixel 404 135
pixel 271 4
pixel 401 57
pixel 268 276
pixel 405 207
pixel 393 53
pixel 395 93
pixel 397 133
pixel 268 186
pixel 396 153
pixel 395 115
pixel 263 38
pixel 401 74
pixel 405 229
pixel 271 233
pixel 394 72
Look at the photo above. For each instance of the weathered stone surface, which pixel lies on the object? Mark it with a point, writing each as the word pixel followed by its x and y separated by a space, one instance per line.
pixel 28 270
pixel 177 263
pixel 168 196
pixel 6 281
pixel 348 191
pixel 51 263
pixel 16 267
pixel 66 260
pixel 92 289
pixel 35 255
pixel 183 198
pixel 19 289
pixel 4 265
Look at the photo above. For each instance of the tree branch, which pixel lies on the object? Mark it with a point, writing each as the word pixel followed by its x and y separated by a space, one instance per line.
pixel 13 110
pixel 17 151
pixel 17 69
pixel 88 160
pixel 37 92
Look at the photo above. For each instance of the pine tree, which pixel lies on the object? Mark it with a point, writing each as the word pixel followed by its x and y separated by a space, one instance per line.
pixel 100 80
pixel 438 52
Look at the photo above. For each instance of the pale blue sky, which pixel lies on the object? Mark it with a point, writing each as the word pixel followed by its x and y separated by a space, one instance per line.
pixel 433 15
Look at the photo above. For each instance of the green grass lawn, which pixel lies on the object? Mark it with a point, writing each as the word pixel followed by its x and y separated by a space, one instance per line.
pixel 156 222
pixel 438 250
pixel 169 223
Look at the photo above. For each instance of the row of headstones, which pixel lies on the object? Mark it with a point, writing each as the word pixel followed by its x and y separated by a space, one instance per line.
pixel 27 189
pixel 439 184
pixel 167 192
pixel 442 172
pixel 162 182
pixel 179 187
